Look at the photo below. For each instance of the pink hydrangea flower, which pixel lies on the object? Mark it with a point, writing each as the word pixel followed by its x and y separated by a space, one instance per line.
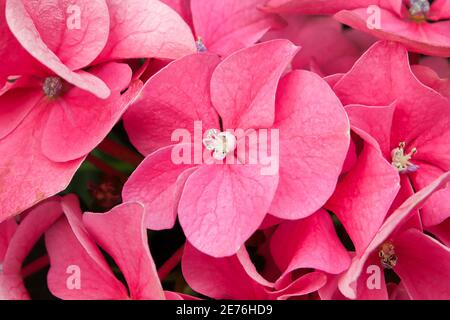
pixel 46 115
pixel 72 245
pixel 401 128
pixel 421 262
pixel 220 205
pixel 420 26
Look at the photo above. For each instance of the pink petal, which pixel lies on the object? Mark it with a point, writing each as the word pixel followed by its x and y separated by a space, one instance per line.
pixel 423 266
pixel 437 208
pixel 146 29
pixel 16 242
pixel 7 230
pixel 440 65
pixel 71 249
pixel 309 243
pixel 313 147
pixel 19 63
pixel 157 184
pixel 33 33
pixel 316 6
pixel 76 46
pixel 440 10
pixel 372 81
pixel 222 205
pixel 182 7
pixel 15 105
pixel 375 121
pixel 427 38
pixel 26 175
pixel 431 79
pixel 70 132
pixel 226 27
pixel 304 285
pixel 232 277
pixel 243 92
pixel 173 99
pixel 334 52
pixel 442 232
pixel 347 283
pixel 122 234
pixel 371 180
pixel 37 221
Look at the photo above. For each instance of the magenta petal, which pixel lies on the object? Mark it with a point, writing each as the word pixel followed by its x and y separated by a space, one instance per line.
pixel 146 29
pixel 243 92
pixel 70 132
pixel 232 277
pixel 73 252
pixel 222 205
pixel 312 147
pixel 423 266
pixel 226 27
pixel 122 234
pixel 26 175
pixel 347 283
pixel 173 99
pixel 156 184
pixel 309 243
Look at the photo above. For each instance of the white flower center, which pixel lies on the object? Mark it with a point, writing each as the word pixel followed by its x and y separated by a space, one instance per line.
pixel 401 161
pixel 223 143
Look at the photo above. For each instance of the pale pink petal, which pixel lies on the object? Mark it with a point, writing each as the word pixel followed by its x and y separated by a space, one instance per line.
pixel 222 205
pixel 243 92
pixel 122 234
pixel 314 137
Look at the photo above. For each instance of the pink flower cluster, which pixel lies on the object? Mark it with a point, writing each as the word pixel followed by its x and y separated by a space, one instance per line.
pixel 353 123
